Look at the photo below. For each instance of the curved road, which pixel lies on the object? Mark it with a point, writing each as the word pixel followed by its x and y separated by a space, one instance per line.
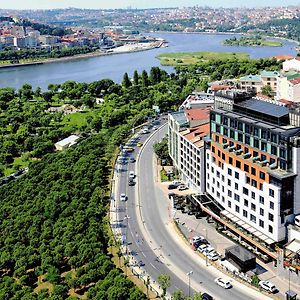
pixel 150 236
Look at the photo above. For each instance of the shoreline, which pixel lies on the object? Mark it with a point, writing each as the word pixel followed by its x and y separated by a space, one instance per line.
pixel 127 49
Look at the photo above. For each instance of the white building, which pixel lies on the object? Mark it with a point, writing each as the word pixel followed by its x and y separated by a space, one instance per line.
pixel 67 142
pixel 291 64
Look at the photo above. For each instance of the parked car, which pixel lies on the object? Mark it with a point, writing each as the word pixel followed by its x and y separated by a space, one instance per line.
pixel 140 263
pixel 202 248
pixel 177 183
pixel 213 256
pixel 224 283
pixel 123 197
pixel 206 296
pixel 209 250
pixel 172 186
pixel 182 187
pixel 268 286
pixel 132 159
pixel 139 144
pixel 131 182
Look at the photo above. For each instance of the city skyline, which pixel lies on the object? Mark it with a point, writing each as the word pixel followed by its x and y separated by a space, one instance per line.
pixel 94 4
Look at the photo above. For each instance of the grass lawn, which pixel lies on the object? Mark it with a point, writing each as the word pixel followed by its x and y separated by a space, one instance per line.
pixel 77 119
pixel 22 162
pixel 189 58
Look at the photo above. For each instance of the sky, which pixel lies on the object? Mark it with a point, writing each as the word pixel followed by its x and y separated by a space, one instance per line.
pixel 44 4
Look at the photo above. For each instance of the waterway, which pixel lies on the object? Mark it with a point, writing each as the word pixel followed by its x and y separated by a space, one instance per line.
pixel 114 66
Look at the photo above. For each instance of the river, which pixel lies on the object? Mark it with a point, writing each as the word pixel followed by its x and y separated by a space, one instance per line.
pixel 114 66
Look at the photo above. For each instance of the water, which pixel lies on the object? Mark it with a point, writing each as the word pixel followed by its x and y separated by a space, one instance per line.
pixel 114 66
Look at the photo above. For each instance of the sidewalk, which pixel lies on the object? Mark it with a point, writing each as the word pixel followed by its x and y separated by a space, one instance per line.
pixel 192 227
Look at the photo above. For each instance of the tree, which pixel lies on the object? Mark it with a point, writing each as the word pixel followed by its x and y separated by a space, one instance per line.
pixel 178 295
pixel 164 281
pixel 267 90
pixel 126 81
pixel 145 78
pixel 135 77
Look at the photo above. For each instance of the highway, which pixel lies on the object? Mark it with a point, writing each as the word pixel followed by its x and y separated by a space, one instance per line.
pixel 148 231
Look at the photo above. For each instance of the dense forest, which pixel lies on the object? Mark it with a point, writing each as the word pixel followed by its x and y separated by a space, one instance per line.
pixel 53 219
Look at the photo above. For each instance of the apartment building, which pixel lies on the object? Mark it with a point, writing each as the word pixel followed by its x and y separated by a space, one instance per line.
pixel 256 82
pixel 288 86
pixel 187 129
pixel 252 162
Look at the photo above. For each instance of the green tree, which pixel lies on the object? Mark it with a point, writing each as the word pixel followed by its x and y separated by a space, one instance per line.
pixel 126 81
pixel 135 77
pixel 267 90
pixel 145 78
pixel 178 295
pixel 164 281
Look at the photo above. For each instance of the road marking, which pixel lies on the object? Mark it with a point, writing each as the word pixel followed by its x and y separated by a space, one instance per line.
pixel 143 254
pixel 153 266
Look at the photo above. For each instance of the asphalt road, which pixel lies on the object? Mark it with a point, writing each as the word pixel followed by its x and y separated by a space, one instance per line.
pixel 160 253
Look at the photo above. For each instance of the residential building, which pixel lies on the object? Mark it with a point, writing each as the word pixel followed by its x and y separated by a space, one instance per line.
pixel 48 39
pixel 291 64
pixel 256 82
pixel 288 86
pixel 20 42
pixel 252 162
pixel 187 129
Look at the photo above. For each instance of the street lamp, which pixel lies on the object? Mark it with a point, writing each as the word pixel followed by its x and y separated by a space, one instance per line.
pixel 189 275
pixel 126 218
pixel 206 262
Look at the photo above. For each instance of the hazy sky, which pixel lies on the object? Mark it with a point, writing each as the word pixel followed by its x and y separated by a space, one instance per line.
pixel 27 4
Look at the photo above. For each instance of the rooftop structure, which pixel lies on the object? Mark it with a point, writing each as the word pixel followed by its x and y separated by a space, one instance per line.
pixel 67 142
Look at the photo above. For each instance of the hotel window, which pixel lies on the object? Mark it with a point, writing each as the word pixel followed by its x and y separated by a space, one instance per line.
pixel 236 186
pixel 223 199
pixel 252 195
pixel 213 150
pixel 229 204
pixel 225 132
pixel 229 182
pixel 214 180
pixel 274 138
pixel 261 223
pixel 223 189
pixel 229 171
pixel 230 160
pixel 213 116
pixel 223 156
pixel 256 131
pixel 264 134
pixel 261 211
pixel 247 140
pixel 212 169
pixel 231 122
pixel 254 183
pixel 262 175
pixel 247 179
pixel 245 213
pixel 238 164
pixel 261 200
pixel 253 171
pixel 261 186
pixel 232 134
pixel 273 150
pixel 217 139
pixel 240 126
pixel 237 209
pixel 282 153
pixel 229 193
pixel 237 176
pixel 271 217
pixel 271 205
pixel 252 218
pixel 218 128
pixel 218 194
pixel 246 168
pixel 225 120
pixel 223 178
pixel 218 184
pixel 246 202
pixel 263 146
pixel 247 128
pixel 245 191
pixel 256 143
pixel 208 186
pixel 270 229
pixel 240 137
pixel 213 190
pixel 253 207
pixel 271 193
pixel 218 174
pixel 237 197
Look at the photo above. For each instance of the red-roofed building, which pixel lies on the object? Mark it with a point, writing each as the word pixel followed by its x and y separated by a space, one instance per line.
pixel 283 57
pixel 187 129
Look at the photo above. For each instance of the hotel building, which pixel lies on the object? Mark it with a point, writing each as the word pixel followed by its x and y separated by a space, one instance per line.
pixel 252 161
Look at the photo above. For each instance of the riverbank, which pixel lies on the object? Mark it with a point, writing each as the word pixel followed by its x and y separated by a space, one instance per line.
pixel 128 48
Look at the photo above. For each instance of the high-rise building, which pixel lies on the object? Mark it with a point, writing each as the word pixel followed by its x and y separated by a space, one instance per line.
pixel 252 162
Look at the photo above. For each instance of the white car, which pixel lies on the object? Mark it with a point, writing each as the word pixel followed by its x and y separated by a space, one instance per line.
pixel 224 283
pixel 131 174
pixel 213 256
pixel 123 197
pixel 182 187
pixel 202 248
pixel 268 286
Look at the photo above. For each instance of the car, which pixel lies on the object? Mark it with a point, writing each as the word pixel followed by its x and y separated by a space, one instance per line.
pixel 131 175
pixel 140 263
pixel 123 197
pixel 182 187
pixel 177 183
pixel 209 249
pixel 224 283
pixel 172 186
pixel 202 248
pixel 131 182
pixel 213 256
pixel 139 144
pixel 268 286
pixel 132 159
pixel 206 296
